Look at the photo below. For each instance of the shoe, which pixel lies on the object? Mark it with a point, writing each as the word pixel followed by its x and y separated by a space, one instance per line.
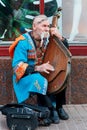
pixel 54 117
pixel 62 114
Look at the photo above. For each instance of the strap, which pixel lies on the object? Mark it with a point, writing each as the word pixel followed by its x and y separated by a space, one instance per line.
pixel 42 112
pixel 11 105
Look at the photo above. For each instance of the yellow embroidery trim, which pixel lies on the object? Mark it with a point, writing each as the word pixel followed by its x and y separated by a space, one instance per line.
pixel 37 85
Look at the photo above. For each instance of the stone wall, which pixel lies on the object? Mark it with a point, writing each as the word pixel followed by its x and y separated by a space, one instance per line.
pixel 76 86
pixel 6 88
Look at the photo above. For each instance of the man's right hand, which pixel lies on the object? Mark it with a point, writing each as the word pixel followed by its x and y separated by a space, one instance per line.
pixel 45 67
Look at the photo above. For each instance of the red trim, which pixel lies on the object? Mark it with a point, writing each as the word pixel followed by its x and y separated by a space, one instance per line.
pixel 78 50
pixel 4 51
pixel 75 50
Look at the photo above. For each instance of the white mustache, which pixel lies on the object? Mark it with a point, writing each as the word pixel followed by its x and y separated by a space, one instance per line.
pixel 45 35
pixel 45 38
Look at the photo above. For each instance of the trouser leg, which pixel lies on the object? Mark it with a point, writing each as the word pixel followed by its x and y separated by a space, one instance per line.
pixel 60 98
pixel 44 100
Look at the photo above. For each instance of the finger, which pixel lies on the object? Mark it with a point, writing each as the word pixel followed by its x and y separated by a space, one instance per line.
pixel 46 71
pixel 50 67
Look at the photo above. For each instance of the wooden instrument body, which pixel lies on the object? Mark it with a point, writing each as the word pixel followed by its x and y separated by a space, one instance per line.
pixel 60 57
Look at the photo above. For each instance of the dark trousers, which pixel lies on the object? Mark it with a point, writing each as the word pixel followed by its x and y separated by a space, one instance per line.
pixel 60 98
pixel 44 100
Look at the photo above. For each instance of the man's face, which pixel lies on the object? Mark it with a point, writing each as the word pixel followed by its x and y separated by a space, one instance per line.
pixel 41 27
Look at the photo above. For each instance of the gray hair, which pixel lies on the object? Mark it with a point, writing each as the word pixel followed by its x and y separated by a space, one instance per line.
pixel 40 18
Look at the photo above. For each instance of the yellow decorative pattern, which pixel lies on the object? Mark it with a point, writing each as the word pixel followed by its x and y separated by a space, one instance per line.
pixel 37 85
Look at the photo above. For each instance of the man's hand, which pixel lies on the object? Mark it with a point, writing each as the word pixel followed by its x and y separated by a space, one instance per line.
pixel 54 31
pixel 46 67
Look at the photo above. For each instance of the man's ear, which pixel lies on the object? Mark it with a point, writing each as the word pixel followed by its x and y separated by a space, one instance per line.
pixel 34 26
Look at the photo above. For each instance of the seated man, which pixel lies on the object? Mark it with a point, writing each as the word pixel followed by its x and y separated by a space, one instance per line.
pixel 27 54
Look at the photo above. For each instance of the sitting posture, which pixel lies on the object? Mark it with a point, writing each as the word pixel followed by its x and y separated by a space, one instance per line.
pixel 27 54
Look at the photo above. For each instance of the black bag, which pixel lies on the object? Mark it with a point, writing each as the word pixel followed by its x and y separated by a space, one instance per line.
pixel 25 117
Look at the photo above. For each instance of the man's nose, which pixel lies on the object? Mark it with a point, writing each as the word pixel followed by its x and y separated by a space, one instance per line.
pixel 47 29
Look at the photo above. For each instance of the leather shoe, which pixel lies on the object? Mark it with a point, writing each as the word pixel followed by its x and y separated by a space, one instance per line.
pixel 62 114
pixel 54 117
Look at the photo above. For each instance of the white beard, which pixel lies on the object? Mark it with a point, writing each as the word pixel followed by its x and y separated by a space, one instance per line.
pixel 45 38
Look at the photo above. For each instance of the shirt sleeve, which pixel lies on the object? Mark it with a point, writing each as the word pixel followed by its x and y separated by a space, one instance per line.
pixel 65 42
pixel 29 70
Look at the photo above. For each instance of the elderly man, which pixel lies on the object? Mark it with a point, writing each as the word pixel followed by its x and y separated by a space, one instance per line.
pixel 27 52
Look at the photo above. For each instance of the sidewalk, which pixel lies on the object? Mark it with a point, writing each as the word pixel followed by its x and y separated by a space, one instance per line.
pixel 77 120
